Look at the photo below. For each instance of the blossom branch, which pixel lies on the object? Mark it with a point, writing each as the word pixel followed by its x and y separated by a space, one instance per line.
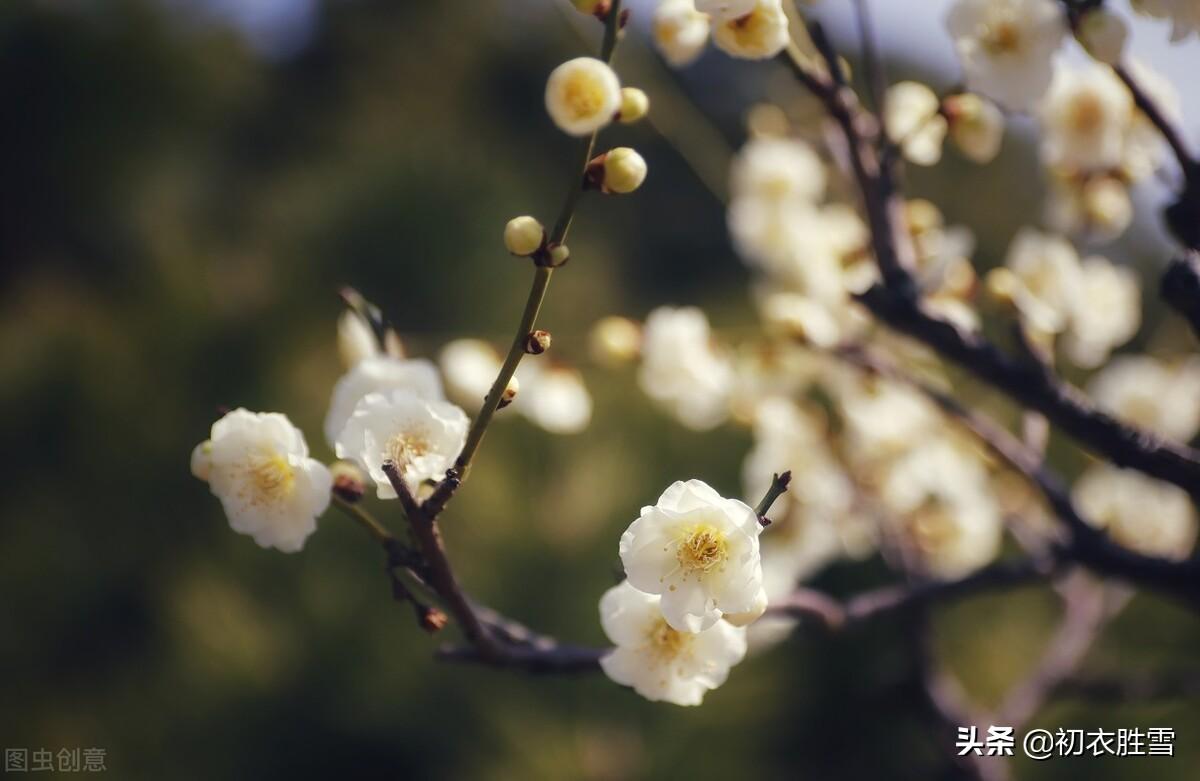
pixel 778 487
pixel 543 271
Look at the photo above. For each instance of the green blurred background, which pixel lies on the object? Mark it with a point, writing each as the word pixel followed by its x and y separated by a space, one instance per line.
pixel 180 202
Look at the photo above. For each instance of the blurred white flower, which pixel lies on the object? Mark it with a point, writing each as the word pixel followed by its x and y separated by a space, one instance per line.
pixel 553 397
pixel 469 366
pixel 1146 515
pixel 661 663
pixel 943 509
pixel 583 95
pixel 1152 394
pixel 421 436
pixel 355 339
pixel 378 374
pixel 758 35
pixel 1184 15
pixel 698 551
pixel 913 120
pixel 257 464
pixel 1043 279
pixel 614 341
pixel 681 369
pixel 1096 206
pixel 976 126
pixel 1107 312
pixel 883 418
pixel 680 31
pixel 725 9
pixel 1007 47
pixel 777 169
pixel 1103 34
pixel 1085 118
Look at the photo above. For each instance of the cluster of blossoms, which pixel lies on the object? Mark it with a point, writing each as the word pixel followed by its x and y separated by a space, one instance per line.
pixel 694 581
pixel 747 29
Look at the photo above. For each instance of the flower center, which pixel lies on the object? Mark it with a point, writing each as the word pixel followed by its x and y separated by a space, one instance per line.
pixel 272 476
pixel 403 448
pixel 1002 36
pixel 584 95
pixel 1087 114
pixel 750 30
pixel 702 549
pixel 665 642
pixel 932 525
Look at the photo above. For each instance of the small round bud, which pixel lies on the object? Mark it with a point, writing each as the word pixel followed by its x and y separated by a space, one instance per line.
pixel 523 236
pixel 1107 205
pixel 349 483
pixel 624 171
pixel 615 341
pixel 1103 34
pixel 558 255
pixel 537 342
pixel 510 392
pixel 635 104
pixel 976 126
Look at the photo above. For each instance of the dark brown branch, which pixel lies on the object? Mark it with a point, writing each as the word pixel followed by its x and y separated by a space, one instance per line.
pixel 1180 287
pixel 778 487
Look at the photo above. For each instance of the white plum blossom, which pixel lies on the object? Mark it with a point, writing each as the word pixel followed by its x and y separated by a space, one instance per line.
pixel 1103 34
pixel 976 126
pixel 913 120
pixel 421 436
pixel 355 339
pixel 378 374
pixel 1150 393
pixel 583 95
pixel 757 35
pixel 1099 206
pixel 1043 279
pixel 469 366
pixel 1183 14
pixel 1007 47
pixel 699 552
pixel 660 662
pixel 682 370
pixel 777 169
pixel 1146 515
pixel 725 9
pixel 680 31
pixel 943 509
pixel 1107 312
pixel 1085 118
pixel 553 397
pixel 883 419
pixel 257 464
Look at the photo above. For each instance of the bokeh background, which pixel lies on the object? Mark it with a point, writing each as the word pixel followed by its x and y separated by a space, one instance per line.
pixel 184 186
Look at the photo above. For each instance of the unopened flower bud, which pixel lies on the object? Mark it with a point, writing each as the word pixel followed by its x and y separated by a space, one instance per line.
pixel 976 126
pixel 583 95
pixel 523 236
pixel 537 342
pixel 1103 34
pixel 624 170
pixel 615 341
pixel 1107 205
pixel 634 105
pixel 510 392
pixel 355 339
pixel 349 483
pixel 558 255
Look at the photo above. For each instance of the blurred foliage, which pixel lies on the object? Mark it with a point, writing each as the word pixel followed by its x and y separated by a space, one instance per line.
pixel 177 213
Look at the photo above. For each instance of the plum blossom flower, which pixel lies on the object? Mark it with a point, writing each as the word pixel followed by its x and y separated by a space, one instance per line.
pixel 1183 14
pixel 469 366
pixel 1107 312
pixel 257 464
pixel 976 126
pixel 421 436
pixel 377 374
pixel 1085 117
pixel 660 662
pixel 553 397
pixel 1007 47
pixel 681 369
pixel 757 35
pixel 1146 515
pixel 699 552
pixel 583 95
pixel 680 31
pixel 1041 275
pixel 1151 393
pixel 913 120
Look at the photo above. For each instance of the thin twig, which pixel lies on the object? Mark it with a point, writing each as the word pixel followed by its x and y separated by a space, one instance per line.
pixel 778 487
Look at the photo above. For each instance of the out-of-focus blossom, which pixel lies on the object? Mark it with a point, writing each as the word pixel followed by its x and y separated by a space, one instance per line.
pixel 680 31
pixel 942 509
pixel 1183 14
pixel 583 95
pixel 1107 312
pixel 883 419
pixel 778 169
pixel 1151 393
pixel 469 366
pixel 758 35
pixel 614 341
pixel 553 397
pixel 660 662
pixel 682 370
pixel 421 436
pixel 699 552
pixel 1103 34
pixel 976 126
pixel 914 121
pixel 378 374
pixel 257 464
pixel 1007 47
pixel 355 339
pixel 1041 276
pixel 723 10
pixel 1138 512
pixel 1096 206
pixel 1085 119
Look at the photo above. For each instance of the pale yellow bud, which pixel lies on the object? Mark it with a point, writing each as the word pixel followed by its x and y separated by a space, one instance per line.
pixel 1103 34
pixel 355 339
pixel 523 236
pixel 624 170
pixel 510 392
pixel 583 95
pixel 615 341
pixel 1107 205
pixel 635 104
pixel 976 126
